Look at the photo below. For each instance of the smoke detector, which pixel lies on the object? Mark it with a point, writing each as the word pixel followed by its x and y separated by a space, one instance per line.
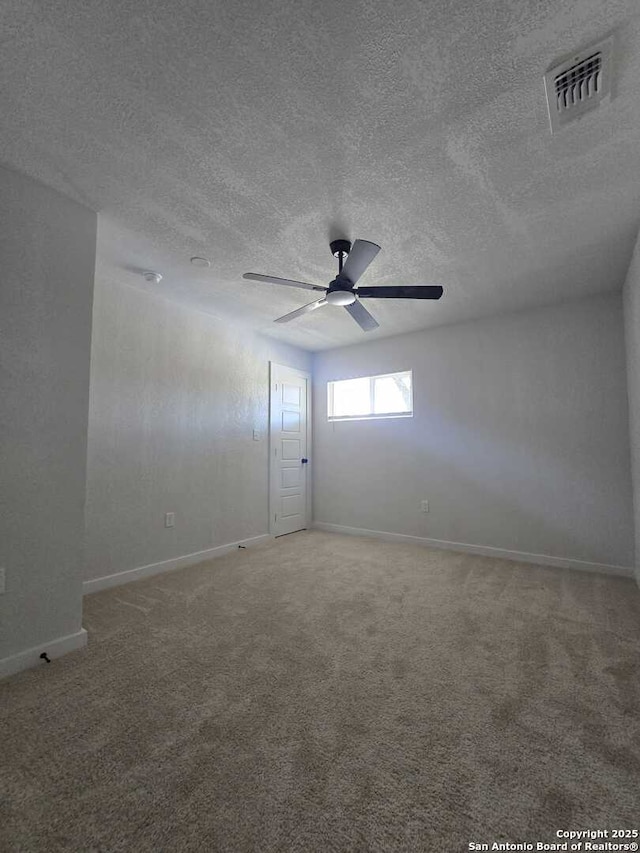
pixel 152 277
pixel 579 83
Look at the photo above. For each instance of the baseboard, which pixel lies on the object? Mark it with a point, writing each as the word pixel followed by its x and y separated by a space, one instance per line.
pixel 96 584
pixel 54 649
pixel 482 550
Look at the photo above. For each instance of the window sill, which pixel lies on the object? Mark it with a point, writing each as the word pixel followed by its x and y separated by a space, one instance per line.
pixel 371 417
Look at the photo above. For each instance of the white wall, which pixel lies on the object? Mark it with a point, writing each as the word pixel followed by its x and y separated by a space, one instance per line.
pixel 47 258
pixel 519 440
pixel 631 301
pixel 175 397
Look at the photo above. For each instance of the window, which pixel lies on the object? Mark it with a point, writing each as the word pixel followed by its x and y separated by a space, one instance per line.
pixel 387 396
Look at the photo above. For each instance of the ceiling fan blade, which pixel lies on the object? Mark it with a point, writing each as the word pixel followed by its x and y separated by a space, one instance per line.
pixel 300 311
pixel 417 291
pixel 361 254
pixel 255 276
pixel 362 316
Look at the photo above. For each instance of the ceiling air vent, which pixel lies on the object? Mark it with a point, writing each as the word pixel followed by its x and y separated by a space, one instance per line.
pixel 578 84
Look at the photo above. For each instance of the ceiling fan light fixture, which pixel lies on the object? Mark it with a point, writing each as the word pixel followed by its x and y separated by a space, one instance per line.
pixel 340 297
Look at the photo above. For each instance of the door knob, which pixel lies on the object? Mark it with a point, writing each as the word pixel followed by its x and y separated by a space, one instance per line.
pixel 304 461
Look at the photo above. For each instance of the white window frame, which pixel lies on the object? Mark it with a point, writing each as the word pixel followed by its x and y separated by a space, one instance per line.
pixel 371 417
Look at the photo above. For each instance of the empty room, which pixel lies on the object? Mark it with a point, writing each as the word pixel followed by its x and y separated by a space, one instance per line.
pixel 319 426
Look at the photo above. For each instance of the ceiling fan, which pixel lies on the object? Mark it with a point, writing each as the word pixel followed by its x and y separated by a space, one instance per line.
pixel 343 291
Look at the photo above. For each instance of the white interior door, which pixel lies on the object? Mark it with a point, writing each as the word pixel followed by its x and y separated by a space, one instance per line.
pixel 289 466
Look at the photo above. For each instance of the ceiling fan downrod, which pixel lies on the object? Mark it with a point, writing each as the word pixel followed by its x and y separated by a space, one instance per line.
pixel 340 290
pixel 340 249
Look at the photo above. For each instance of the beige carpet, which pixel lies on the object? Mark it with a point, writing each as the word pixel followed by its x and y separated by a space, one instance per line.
pixel 329 693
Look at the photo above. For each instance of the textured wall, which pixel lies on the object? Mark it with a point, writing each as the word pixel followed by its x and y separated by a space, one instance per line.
pixel 47 256
pixel 519 439
pixel 175 397
pixel 631 297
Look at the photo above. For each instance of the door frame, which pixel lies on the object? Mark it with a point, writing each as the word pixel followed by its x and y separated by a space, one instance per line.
pixel 274 366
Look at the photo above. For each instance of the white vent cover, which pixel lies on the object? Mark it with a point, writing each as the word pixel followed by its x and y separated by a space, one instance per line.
pixel 578 84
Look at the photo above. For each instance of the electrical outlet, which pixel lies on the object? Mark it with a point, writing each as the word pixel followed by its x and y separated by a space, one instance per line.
pixel 256 435
pixel 1 580
pixel 424 506
pixel 169 519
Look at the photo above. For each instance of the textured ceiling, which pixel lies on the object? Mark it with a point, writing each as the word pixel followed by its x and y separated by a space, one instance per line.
pixel 252 131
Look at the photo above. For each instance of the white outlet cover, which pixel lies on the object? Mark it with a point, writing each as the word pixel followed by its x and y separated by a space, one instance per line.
pixel 256 435
pixel 169 519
